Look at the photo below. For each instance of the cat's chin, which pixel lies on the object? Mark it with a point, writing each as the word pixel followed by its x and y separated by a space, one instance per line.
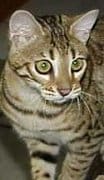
pixel 64 101
pixel 59 101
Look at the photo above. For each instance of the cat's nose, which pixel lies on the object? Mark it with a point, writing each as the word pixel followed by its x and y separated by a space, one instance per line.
pixel 64 92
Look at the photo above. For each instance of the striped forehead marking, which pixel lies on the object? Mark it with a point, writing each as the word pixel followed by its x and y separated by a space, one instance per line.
pixel 51 53
pixel 73 52
pixel 55 26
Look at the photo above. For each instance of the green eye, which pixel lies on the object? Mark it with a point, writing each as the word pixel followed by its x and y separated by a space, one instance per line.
pixel 77 65
pixel 43 66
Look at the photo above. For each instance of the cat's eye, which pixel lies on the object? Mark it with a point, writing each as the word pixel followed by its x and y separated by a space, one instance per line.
pixel 43 66
pixel 77 65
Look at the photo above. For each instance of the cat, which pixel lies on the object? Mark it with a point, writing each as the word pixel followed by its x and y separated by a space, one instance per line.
pixel 51 89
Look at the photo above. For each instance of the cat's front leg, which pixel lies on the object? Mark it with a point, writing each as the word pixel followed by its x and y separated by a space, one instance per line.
pixel 72 169
pixel 77 162
pixel 43 159
pixel 41 170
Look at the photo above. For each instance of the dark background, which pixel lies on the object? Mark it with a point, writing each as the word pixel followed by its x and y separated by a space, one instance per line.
pixel 49 6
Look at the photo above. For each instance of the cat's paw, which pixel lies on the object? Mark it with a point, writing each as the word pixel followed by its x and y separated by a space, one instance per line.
pixel 100 177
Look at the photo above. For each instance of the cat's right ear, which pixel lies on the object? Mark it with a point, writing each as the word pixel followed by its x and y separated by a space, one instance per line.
pixel 23 27
pixel 82 27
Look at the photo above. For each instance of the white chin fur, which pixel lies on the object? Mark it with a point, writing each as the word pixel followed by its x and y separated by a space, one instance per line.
pixel 60 99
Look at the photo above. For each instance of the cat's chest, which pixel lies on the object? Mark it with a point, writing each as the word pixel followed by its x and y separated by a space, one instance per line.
pixel 60 131
pixel 50 137
pixel 57 129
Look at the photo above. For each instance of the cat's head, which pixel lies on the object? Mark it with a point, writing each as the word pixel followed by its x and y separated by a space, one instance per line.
pixel 50 52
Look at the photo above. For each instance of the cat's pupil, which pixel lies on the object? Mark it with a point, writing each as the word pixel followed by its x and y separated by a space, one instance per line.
pixel 44 65
pixel 76 63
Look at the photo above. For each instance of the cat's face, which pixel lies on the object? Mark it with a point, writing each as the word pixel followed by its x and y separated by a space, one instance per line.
pixel 58 63
pixel 57 77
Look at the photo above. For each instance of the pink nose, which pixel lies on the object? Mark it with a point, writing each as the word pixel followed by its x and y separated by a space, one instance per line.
pixel 64 92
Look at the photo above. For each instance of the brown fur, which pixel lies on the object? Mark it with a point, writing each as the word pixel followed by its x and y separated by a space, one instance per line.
pixel 45 125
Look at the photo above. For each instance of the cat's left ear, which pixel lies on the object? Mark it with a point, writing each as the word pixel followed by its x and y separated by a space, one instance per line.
pixel 81 28
pixel 23 27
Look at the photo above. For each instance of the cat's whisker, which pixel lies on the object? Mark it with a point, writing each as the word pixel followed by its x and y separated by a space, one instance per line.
pixel 86 93
pixel 78 103
pixel 86 105
pixel 90 96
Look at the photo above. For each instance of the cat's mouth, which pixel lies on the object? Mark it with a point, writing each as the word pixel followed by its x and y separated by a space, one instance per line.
pixel 68 99
pixel 59 99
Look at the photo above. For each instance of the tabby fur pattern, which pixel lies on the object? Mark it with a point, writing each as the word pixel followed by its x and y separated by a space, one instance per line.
pixel 52 91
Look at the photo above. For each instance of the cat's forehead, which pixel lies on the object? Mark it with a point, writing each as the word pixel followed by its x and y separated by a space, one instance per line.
pixel 60 40
pixel 57 30
pixel 46 50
